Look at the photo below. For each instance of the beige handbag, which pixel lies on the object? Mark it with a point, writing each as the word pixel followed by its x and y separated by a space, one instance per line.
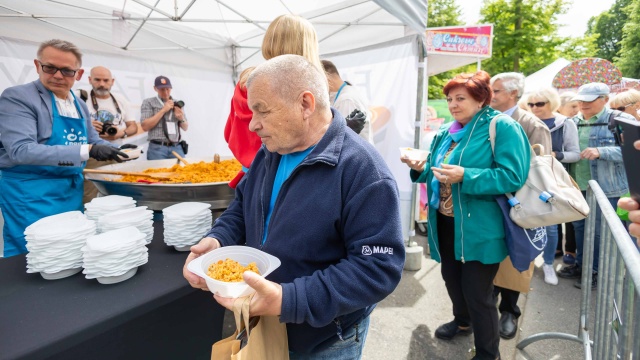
pixel 549 197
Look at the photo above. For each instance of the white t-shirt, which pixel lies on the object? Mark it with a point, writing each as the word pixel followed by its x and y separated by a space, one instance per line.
pixel 107 111
pixel 350 99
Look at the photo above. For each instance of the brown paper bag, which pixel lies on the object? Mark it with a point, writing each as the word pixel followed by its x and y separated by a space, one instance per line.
pixel 265 338
pixel 510 278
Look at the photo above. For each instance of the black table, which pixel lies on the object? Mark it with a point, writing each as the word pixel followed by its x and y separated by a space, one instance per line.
pixel 153 315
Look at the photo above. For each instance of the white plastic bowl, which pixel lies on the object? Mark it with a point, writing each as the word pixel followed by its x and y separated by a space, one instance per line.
pixel 244 255
pixel 413 154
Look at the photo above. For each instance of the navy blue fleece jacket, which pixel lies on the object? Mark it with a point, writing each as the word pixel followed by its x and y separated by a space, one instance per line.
pixel 336 228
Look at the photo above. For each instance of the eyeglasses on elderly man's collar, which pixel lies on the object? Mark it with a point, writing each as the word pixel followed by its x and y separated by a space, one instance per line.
pixel 51 70
pixel 622 108
pixel 538 104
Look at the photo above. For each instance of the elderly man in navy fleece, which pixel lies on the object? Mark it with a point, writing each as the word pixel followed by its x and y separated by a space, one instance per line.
pixel 323 201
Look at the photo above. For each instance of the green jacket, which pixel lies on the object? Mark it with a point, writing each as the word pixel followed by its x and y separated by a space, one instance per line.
pixel 479 228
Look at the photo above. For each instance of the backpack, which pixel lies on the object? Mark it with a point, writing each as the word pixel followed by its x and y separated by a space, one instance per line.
pixel 549 196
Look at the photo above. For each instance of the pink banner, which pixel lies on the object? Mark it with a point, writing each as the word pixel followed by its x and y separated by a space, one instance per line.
pixel 467 41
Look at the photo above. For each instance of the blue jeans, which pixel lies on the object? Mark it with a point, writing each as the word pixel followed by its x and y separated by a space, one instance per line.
pixel 346 349
pixel 578 227
pixel 159 152
pixel 549 253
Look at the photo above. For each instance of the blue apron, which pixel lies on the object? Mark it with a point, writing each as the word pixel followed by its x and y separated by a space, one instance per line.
pixel 30 192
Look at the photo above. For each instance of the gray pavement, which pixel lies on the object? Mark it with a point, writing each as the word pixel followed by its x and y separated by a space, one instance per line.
pixel 403 325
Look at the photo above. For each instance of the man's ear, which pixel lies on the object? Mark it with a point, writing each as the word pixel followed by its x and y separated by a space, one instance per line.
pixel 308 103
pixel 79 74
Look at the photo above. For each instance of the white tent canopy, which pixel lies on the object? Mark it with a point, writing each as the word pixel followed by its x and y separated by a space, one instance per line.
pixel 544 77
pixel 209 34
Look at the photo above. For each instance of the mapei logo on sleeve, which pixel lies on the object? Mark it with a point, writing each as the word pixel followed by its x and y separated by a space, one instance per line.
pixel 366 250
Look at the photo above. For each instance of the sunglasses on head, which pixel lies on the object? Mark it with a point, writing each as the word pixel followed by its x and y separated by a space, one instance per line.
pixel 51 70
pixel 538 104
pixel 622 108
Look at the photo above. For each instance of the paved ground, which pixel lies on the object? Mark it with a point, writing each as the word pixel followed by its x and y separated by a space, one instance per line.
pixel 403 325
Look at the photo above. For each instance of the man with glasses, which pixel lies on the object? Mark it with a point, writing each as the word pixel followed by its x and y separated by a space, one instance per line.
pixel 601 160
pixel 45 139
pixel 508 89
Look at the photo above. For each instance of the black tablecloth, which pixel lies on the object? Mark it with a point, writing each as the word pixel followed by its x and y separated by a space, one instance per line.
pixel 40 318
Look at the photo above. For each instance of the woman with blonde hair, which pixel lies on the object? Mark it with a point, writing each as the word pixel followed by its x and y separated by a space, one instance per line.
pixel 565 147
pixel 627 101
pixel 568 107
pixel 287 34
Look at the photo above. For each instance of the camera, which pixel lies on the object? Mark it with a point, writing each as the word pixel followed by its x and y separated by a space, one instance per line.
pixel 108 128
pixel 178 103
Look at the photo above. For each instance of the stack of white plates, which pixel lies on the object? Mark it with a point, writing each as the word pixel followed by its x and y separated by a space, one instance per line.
pixel 55 243
pixel 106 204
pixel 115 255
pixel 139 217
pixel 185 224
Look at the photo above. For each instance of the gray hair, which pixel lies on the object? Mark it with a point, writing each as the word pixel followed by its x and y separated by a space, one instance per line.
pixel 290 75
pixel 61 45
pixel 511 81
pixel 566 97
pixel 546 94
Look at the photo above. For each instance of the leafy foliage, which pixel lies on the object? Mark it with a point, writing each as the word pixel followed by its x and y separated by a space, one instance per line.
pixel 629 60
pixel 525 34
pixel 607 27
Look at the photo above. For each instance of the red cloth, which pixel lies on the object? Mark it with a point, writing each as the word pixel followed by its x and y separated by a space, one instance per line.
pixel 243 143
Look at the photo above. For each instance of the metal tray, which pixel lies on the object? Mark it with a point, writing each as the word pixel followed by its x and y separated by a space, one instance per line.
pixel 160 196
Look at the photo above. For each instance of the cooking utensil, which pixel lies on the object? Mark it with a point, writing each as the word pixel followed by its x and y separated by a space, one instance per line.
pixel 216 158
pixel 180 158
pixel 159 175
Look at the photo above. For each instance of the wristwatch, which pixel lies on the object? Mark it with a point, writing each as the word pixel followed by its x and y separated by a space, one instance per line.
pixel 125 135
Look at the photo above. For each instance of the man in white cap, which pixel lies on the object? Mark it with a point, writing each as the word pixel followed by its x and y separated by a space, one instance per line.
pixel 601 160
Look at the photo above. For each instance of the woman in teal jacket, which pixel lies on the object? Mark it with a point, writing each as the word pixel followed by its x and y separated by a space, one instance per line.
pixel 465 229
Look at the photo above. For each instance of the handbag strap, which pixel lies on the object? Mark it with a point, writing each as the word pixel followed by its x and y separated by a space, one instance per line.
pixel 492 139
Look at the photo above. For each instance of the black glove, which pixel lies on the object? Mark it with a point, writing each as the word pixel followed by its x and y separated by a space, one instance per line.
pixel 356 120
pixel 106 152
pixel 128 146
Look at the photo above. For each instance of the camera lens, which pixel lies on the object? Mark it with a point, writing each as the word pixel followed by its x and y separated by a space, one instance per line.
pixel 111 130
pixel 178 103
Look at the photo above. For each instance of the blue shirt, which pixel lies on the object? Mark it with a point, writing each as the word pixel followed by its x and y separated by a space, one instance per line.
pixel 288 162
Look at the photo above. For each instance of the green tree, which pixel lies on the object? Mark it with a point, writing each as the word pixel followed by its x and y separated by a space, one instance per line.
pixel 441 13
pixel 608 28
pixel 629 60
pixel 578 48
pixel 525 34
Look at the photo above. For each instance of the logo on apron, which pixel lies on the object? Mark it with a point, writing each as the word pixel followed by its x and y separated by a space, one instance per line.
pixel 74 139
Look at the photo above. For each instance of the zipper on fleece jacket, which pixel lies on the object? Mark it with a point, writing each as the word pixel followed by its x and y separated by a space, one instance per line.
pixel 459 200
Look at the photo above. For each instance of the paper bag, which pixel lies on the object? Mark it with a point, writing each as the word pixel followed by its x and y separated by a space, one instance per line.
pixel 264 338
pixel 509 277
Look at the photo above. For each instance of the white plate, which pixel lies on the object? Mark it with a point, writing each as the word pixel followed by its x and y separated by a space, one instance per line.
pixel 413 154
pixel 106 280
pixel 186 209
pixel 60 274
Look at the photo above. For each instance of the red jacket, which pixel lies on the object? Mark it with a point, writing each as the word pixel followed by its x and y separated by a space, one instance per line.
pixel 243 143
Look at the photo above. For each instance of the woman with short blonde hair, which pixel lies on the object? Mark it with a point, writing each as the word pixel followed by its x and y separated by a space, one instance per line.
pixel 627 101
pixel 568 107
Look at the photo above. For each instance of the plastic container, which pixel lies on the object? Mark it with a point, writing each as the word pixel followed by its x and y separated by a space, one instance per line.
pixel 244 255
pixel 413 154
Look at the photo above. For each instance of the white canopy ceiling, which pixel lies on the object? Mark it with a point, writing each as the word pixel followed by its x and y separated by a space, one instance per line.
pixel 209 34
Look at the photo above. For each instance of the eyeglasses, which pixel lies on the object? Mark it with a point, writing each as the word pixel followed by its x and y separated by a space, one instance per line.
pixel 622 108
pixel 538 104
pixel 52 70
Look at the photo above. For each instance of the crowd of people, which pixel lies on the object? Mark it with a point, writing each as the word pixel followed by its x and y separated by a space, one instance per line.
pixel 341 248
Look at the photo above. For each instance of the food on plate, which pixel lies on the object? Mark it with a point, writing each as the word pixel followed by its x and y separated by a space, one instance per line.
pixel 201 172
pixel 230 270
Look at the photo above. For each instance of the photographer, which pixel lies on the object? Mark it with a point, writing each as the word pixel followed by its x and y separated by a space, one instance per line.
pixel 110 116
pixel 164 118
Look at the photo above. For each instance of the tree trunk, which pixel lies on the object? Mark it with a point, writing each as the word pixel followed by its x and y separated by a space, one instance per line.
pixel 517 28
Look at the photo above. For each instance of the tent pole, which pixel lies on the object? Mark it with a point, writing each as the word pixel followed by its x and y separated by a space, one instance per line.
pixel 418 127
